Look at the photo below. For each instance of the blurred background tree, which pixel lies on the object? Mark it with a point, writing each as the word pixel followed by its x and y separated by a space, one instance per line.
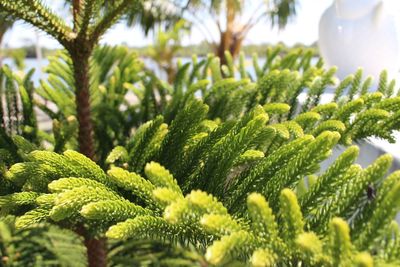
pixel 233 27
pixel 148 13
pixel 166 45
pixel 225 24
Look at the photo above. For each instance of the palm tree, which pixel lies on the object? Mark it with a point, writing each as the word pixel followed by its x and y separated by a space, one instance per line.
pixel 227 15
pixel 165 46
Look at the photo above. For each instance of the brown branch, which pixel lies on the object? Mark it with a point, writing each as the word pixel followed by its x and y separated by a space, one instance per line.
pixel 97 254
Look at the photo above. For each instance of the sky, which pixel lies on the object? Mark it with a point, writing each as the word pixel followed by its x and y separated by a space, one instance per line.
pixel 302 29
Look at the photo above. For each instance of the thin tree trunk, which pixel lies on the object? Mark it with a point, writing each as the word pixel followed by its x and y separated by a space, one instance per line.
pixel 171 73
pixel 80 53
pixel 222 47
pixel 97 253
pixel 96 248
pixel 226 37
pixel 236 44
pixel 85 135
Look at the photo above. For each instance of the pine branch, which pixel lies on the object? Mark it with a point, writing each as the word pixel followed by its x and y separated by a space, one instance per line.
pixel 37 14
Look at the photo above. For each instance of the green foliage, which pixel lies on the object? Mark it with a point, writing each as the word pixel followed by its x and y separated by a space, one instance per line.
pixel 112 69
pixel 19 131
pixel 209 169
pixel 124 96
pixel 142 252
pixel 17 108
pixel 40 245
pixel 87 21
pixel 211 164
pixel 44 19
pixel 166 45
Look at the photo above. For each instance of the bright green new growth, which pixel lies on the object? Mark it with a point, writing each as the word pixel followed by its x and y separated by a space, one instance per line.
pixel 246 165
pixel 277 88
pixel 234 174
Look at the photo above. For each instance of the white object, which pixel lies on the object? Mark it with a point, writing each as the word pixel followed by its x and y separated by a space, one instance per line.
pixel 360 33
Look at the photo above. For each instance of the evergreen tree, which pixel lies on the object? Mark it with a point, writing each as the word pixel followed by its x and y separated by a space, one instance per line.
pixel 90 22
pixel 226 16
pixel 226 165
pixel 214 168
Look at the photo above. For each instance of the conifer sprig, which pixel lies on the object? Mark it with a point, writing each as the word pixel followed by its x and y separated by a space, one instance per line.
pixel 36 13
pixel 273 228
